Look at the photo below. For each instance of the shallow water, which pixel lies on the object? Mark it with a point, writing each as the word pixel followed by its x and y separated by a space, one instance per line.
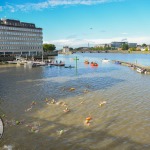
pixel 123 123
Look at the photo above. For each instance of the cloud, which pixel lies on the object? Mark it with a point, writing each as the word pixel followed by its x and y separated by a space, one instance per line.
pixel 92 42
pixel 53 3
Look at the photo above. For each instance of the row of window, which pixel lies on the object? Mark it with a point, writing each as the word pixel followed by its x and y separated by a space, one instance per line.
pixel 19 33
pixel 20 43
pixel 19 48
pixel 20 38
pixel 20 29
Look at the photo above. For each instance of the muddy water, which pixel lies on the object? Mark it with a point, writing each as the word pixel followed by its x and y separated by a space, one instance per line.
pixel 122 123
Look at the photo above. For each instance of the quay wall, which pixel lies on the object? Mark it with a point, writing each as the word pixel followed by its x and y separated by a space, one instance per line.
pixel 134 65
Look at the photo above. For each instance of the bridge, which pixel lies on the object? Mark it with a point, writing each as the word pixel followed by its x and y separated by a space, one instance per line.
pixel 89 51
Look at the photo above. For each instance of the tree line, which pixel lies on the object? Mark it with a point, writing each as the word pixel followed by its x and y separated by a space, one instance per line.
pixel 48 47
pixel 52 47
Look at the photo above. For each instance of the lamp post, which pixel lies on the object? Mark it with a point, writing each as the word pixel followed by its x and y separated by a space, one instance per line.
pixel 76 59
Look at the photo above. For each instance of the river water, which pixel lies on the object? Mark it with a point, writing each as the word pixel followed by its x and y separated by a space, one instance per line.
pixel 123 123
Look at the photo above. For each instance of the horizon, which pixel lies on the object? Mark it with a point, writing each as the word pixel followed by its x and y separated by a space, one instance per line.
pixel 77 23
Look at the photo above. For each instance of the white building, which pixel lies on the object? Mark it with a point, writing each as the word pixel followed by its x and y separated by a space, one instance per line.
pixel 20 38
pixel 66 50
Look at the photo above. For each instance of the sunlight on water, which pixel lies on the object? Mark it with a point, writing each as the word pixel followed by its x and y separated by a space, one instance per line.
pixel 34 121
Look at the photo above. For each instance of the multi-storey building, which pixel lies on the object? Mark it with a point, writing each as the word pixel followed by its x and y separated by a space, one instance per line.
pixel 20 38
pixel 132 44
pixel 117 44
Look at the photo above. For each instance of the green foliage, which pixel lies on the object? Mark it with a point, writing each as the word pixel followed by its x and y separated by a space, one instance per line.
pixel 48 47
pixel 125 47
pixel 146 49
pixel 144 45
pixel 132 49
pixel 100 48
pixel 71 49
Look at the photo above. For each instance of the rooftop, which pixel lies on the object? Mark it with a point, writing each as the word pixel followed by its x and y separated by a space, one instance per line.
pixel 16 23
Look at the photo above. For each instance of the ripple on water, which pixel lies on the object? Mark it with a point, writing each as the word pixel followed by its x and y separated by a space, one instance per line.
pixel 123 123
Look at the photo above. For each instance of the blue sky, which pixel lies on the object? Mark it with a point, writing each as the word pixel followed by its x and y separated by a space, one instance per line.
pixel 79 22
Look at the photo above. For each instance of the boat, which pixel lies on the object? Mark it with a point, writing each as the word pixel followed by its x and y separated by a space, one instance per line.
pixel 60 64
pixel 140 70
pixel 56 64
pixel 105 60
pixel 69 66
pixel 38 63
pixel 12 62
pixel 19 61
pixel 117 62
pixel 86 62
pixel 94 64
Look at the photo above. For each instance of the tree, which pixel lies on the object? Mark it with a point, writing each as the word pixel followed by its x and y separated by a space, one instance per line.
pixel 71 49
pixel 125 47
pixel 132 49
pixel 48 47
pixel 146 49
pixel 144 45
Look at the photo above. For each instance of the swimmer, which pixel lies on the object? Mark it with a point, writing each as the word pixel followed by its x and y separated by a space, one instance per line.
pixel 29 109
pixel 46 100
pixel 87 121
pixel 53 101
pixel 71 89
pixel 66 110
pixel 33 103
pixel 102 103
pixel 82 102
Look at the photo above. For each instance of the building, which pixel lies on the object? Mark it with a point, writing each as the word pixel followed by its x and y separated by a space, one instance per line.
pixel 103 45
pixel 65 50
pixel 20 38
pixel 117 44
pixel 131 45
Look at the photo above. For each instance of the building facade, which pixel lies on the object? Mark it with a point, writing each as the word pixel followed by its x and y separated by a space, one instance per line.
pixel 66 49
pixel 132 45
pixel 117 44
pixel 20 38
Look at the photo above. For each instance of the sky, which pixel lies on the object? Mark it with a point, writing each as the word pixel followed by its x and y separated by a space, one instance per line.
pixel 76 23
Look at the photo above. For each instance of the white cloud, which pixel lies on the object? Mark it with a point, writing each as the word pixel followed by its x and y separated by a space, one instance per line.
pixel 53 3
pixel 92 42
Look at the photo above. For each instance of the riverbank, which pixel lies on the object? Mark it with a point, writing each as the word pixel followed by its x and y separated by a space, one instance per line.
pixel 128 52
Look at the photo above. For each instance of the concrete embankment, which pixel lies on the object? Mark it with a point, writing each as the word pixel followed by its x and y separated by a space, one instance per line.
pixel 135 66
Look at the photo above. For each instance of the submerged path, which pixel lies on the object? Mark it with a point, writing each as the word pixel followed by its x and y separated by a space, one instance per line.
pixel 144 69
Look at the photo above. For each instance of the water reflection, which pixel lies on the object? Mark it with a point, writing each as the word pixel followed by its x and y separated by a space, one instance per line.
pixel 121 124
